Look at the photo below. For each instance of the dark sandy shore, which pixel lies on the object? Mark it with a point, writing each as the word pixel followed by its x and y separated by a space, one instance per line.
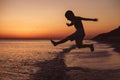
pixel 56 69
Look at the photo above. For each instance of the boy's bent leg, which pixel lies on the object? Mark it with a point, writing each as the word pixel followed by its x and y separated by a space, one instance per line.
pixel 81 45
pixel 91 46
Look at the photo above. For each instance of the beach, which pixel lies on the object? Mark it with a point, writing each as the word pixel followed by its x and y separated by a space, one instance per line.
pixel 40 60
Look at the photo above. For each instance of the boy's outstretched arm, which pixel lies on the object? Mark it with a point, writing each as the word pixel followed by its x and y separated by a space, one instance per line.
pixel 89 19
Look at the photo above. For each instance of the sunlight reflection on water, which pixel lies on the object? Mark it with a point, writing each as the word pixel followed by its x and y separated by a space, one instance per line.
pixel 17 57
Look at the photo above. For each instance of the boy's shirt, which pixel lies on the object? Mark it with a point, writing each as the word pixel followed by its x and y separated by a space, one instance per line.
pixel 77 22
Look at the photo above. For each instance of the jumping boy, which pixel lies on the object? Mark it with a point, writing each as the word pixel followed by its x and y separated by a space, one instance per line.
pixel 79 34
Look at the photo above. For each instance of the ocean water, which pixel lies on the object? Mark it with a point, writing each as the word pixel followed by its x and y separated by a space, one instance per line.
pixel 18 57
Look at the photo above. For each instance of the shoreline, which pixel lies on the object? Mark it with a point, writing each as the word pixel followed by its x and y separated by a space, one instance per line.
pixel 52 69
pixel 115 45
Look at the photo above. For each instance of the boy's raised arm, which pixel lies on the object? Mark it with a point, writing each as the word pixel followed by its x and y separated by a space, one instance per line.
pixel 89 19
pixel 69 24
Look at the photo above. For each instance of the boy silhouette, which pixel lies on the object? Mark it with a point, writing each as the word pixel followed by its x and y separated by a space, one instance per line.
pixel 79 34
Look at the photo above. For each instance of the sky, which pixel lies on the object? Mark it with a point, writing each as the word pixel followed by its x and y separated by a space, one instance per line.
pixel 45 18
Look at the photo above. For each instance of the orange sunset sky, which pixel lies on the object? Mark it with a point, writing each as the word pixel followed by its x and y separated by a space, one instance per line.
pixel 45 18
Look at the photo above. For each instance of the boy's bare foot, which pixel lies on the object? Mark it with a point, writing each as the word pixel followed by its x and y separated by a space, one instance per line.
pixel 53 42
pixel 92 47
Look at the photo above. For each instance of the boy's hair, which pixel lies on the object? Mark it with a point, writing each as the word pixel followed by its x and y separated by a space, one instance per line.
pixel 69 14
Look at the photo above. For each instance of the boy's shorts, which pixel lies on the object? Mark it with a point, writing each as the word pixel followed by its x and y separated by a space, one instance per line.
pixel 76 36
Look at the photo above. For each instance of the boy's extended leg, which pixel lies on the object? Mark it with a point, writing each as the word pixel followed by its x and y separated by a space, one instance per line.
pixel 59 42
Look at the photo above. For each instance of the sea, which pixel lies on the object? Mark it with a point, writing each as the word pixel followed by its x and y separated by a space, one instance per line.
pixel 18 58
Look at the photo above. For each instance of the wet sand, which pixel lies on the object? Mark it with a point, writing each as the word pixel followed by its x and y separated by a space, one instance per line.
pixel 56 69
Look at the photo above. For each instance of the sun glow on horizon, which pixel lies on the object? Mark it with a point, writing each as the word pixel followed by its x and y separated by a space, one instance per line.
pixel 45 18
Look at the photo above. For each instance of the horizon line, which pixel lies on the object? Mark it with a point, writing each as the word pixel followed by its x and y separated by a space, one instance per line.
pixel 33 38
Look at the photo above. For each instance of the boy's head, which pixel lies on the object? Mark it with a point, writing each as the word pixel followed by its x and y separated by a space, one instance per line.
pixel 69 15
